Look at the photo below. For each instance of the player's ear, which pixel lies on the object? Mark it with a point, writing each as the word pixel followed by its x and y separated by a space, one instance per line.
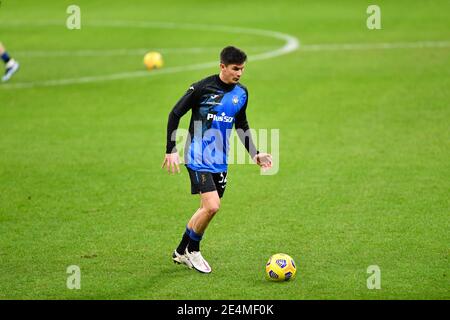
pixel 222 66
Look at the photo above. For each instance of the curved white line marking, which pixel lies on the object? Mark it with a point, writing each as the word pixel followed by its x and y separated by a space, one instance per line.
pixel 122 52
pixel 291 44
pixel 304 47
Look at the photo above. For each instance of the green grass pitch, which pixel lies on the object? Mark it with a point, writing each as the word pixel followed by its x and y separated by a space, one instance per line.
pixel 364 151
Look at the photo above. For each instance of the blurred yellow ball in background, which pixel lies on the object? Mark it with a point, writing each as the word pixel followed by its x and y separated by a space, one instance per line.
pixel 153 60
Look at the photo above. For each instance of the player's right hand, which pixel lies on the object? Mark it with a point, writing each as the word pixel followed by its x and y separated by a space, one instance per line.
pixel 172 161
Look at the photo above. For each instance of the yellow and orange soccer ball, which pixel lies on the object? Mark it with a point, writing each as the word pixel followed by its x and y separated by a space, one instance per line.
pixel 153 60
pixel 280 267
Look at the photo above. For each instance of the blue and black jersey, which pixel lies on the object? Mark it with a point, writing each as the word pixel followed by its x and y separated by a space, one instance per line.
pixel 215 106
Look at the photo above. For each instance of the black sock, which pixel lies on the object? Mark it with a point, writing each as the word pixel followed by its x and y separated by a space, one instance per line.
pixel 184 241
pixel 193 245
pixel 194 241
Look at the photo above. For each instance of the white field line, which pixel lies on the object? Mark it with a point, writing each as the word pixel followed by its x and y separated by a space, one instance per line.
pixel 304 47
pixel 374 46
pixel 123 52
pixel 291 44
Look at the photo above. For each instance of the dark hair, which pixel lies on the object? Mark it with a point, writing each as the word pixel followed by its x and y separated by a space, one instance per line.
pixel 232 55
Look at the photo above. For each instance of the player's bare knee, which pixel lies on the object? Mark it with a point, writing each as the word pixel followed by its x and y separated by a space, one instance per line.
pixel 212 209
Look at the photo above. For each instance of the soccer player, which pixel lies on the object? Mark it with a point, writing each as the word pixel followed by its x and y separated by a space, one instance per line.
pixel 11 65
pixel 217 102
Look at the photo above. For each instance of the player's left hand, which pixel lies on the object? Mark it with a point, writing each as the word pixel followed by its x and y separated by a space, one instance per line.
pixel 264 160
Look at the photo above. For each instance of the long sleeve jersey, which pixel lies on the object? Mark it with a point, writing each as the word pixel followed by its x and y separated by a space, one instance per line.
pixel 216 107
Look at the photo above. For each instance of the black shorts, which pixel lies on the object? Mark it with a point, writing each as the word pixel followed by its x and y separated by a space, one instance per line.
pixel 202 181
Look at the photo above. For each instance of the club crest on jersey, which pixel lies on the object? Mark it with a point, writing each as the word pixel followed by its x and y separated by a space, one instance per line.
pixel 221 118
pixel 235 100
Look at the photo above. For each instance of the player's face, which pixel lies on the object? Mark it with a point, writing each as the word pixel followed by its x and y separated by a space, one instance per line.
pixel 231 73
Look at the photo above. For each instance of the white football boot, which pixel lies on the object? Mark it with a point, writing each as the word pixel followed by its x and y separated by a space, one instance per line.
pixel 181 259
pixel 197 261
pixel 11 67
